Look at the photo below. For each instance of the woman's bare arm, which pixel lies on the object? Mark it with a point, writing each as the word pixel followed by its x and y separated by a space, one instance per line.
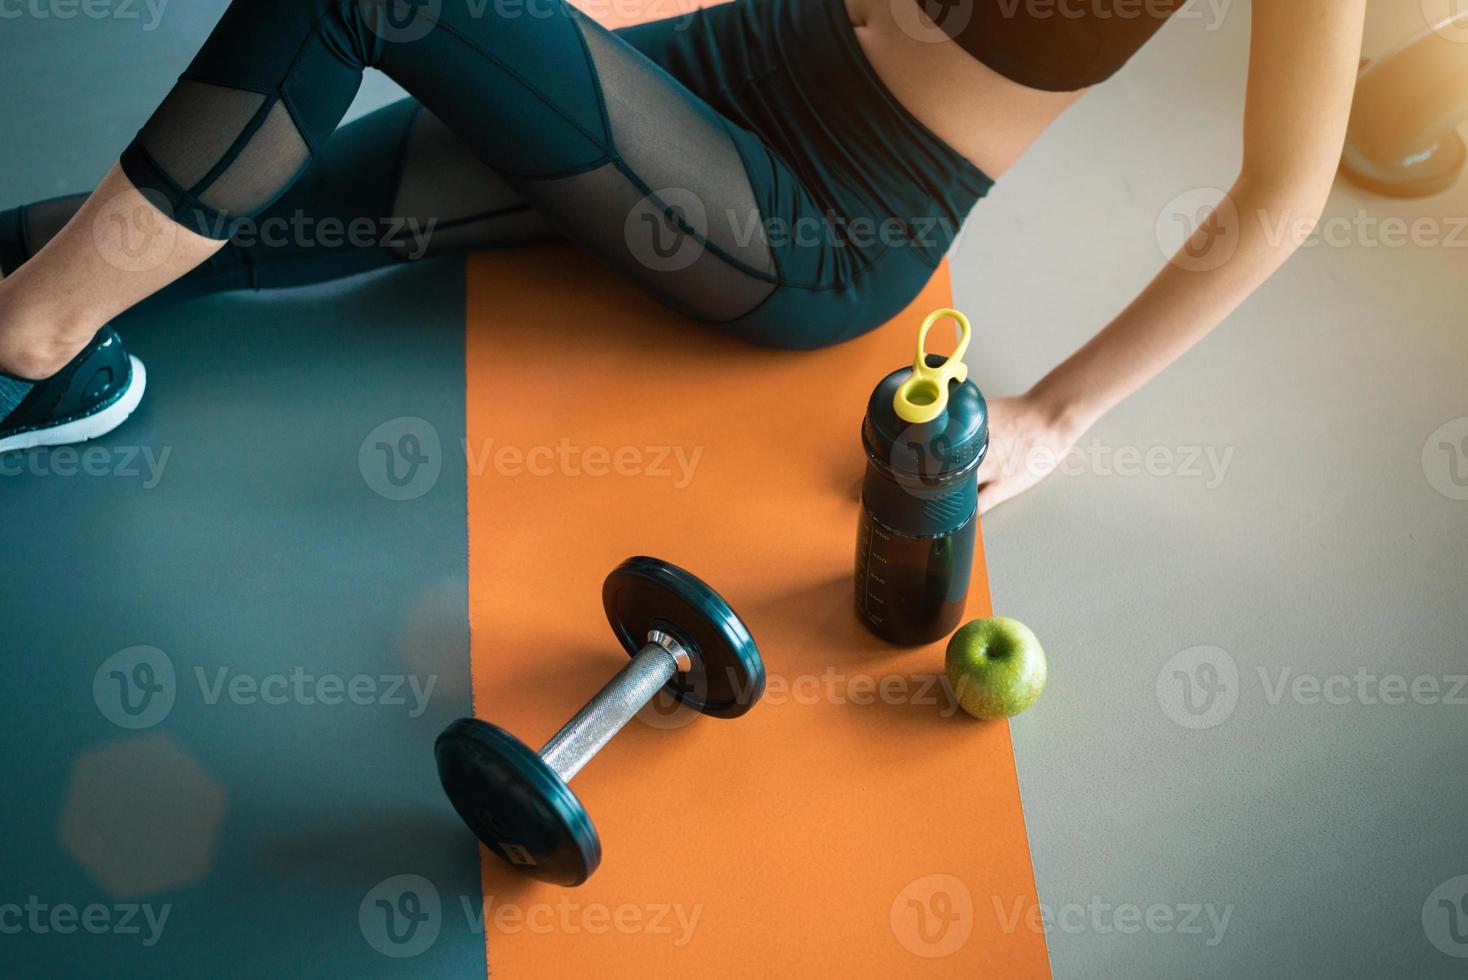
pixel 1303 61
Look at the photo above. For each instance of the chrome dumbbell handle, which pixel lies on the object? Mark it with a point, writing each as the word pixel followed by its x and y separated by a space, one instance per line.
pixel 571 748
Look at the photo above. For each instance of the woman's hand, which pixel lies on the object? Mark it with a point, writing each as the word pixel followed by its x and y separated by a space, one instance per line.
pixel 1028 438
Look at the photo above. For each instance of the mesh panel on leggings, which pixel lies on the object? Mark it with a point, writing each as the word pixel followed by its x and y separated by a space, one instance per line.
pixel 701 195
pixel 669 143
pixel 637 238
pixel 446 193
pixel 272 156
pixel 195 127
pixel 201 128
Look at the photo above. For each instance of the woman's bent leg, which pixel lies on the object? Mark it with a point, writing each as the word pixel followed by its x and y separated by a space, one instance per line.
pixel 617 154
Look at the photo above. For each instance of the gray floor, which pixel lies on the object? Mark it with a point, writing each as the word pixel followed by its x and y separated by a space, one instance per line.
pixel 1317 546
pixel 1323 537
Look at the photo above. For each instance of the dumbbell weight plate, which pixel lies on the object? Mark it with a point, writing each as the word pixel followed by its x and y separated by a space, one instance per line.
pixel 516 804
pixel 645 594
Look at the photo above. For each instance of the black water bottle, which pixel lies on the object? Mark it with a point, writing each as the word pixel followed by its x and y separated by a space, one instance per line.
pixel 926 432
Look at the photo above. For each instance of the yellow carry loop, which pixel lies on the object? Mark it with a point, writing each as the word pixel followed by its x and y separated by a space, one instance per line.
pixel 924 396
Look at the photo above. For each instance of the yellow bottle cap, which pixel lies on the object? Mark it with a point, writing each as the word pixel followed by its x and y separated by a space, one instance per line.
pixel 924 396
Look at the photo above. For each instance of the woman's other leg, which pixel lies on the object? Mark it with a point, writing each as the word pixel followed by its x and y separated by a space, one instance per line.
pixel 53 305
pixel 394 185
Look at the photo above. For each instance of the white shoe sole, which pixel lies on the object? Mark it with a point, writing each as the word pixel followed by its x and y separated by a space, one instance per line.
pixel 90 427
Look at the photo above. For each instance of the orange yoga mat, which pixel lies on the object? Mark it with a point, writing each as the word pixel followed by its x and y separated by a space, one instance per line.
pixel 855 823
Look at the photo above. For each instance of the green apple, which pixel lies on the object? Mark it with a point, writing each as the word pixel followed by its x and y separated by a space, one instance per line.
pixel 995 667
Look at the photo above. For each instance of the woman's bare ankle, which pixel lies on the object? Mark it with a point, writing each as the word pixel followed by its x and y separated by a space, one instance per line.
pixel 36 356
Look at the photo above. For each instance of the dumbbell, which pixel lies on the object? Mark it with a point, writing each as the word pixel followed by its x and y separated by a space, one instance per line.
pixel 682 638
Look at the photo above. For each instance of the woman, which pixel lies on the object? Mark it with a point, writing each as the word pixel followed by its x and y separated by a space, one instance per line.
pixel 791 171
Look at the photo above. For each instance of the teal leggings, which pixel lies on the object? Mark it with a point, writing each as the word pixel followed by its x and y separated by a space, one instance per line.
pixel 742 164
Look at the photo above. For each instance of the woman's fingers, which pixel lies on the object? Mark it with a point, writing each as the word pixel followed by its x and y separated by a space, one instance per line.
pixel 996 492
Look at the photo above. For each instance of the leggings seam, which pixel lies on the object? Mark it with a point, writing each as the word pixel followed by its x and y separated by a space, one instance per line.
pixel 284 98
pixel 744 267
pixel 774 288
pixel 185 198
pixel 725 123
pixel 192 76
pixel 628 171
pixel 853 281
pixel 576 171
pixel 601 99
pixel 278 91
pixel 601 142
pixel 314 34
pixel 449 224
